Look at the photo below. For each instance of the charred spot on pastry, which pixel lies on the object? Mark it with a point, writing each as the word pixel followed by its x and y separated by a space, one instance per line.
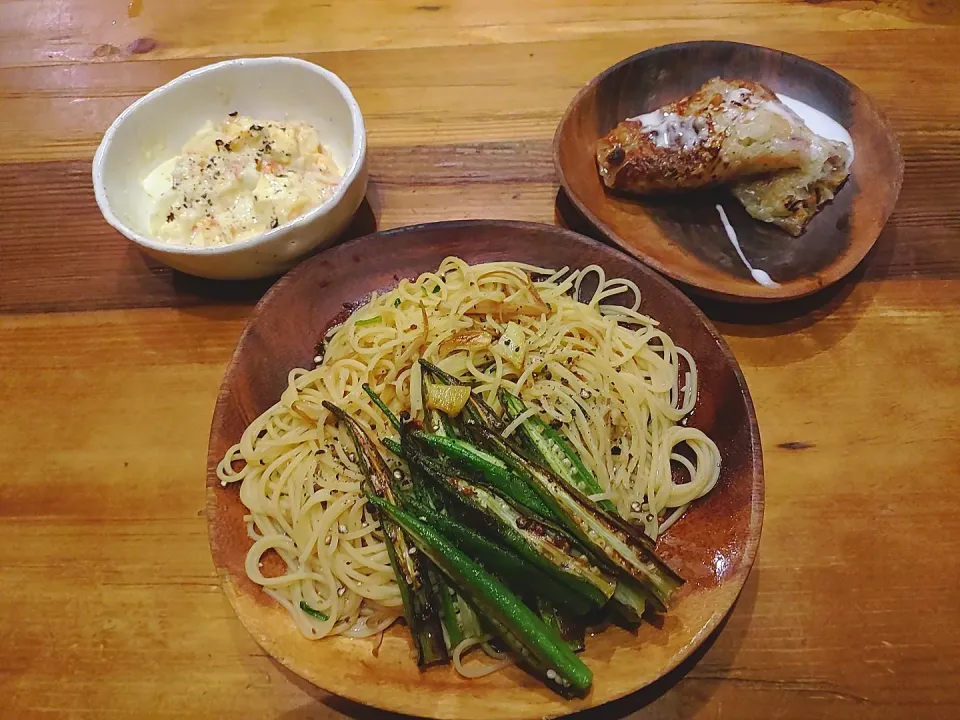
pixel 616 156
pixel 793 203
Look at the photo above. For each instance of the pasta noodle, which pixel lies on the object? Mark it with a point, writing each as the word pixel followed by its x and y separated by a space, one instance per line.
pixel 477 671
pixel 604 374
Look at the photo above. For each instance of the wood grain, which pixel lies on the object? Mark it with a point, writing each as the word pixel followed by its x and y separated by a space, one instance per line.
pixel 88 266
pixel 109 605
pixel 51 32
pixel 472 93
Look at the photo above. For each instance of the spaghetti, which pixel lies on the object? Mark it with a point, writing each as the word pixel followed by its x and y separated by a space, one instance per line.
pixel 604 374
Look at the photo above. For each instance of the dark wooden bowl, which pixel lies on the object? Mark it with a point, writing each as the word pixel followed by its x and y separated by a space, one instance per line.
pixel 713 546
pixel 681 236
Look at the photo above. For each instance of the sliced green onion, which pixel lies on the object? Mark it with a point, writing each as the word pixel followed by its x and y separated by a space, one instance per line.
pixel 369 321
pixel 310 611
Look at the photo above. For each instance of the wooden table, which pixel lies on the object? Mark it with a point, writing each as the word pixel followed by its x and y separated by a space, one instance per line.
pixel 109 363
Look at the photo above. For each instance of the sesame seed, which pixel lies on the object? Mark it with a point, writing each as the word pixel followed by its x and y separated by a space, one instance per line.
pixel 341 591
pixel 552 674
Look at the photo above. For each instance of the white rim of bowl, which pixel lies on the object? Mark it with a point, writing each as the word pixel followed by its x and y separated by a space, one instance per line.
pixel 358 153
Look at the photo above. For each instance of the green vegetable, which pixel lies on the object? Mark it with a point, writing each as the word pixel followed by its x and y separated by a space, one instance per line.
pixel 540 645
pixel 520 575
pixel 378 401
pixel 369 321
pixel 415 589
pixel 476 408
pixel 310 611
pixel 554 450
pixel 630 599
pixel 543 547
pixel 393 446
pixel 572 629
pixel 456 616
pixel 491 468
pixel 604 536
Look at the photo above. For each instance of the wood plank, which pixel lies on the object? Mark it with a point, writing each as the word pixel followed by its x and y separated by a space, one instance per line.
pixel 819 631
pixel 84 264
pixel 487 93
pixel 69 31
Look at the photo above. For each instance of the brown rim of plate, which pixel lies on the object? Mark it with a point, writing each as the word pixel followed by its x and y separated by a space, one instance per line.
pixel 681 235
pixel 713 546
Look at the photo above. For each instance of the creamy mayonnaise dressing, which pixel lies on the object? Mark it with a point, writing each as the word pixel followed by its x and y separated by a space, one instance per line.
pixel 672 130
pixel 759 275
pixel 237 179
pixel 820 123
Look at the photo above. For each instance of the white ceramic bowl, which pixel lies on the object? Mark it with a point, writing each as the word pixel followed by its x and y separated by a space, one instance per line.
pixel 157 125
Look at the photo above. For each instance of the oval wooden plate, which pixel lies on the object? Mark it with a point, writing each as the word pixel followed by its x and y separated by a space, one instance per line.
pixel 713 546
pixel 681 235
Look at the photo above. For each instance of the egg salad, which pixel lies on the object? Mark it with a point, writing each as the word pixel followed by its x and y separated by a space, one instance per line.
pixel 239 178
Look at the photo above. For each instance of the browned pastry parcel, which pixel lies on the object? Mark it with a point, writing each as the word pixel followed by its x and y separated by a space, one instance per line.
pixel 729 132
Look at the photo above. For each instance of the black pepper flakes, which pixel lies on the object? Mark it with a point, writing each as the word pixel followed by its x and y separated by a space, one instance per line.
pixel 170 217
pixel 256 128
pixel 234 113
pixel 219 143
pixel 273 223
pixel 615 450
